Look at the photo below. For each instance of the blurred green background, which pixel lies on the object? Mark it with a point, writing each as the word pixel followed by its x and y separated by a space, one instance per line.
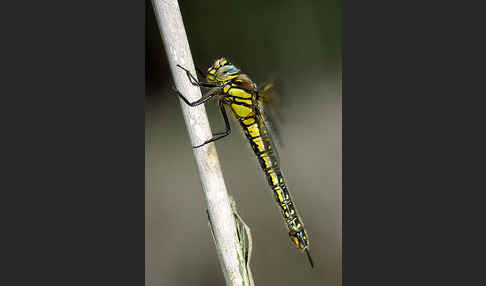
pixel 301 42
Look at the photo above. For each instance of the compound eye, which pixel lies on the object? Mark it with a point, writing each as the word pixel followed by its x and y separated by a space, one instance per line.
pixel 230 70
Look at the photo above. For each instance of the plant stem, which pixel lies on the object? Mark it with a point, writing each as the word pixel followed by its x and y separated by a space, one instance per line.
pixel 218 203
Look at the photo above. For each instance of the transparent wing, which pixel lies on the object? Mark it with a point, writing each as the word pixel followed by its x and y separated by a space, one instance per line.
pixel 269 136
pixel 268 107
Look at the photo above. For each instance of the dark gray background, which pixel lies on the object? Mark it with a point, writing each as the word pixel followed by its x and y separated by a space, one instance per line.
pixel 72 107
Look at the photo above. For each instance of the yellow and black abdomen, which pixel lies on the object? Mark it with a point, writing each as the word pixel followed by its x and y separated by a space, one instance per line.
pixel 252 126
pixel 243 103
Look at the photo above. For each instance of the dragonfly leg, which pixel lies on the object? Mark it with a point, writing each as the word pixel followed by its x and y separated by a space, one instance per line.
pixel 202 100
pixel 194 80
pixel 219 135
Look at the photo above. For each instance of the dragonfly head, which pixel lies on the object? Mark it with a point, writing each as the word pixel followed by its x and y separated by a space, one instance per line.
pixel 222 71
pixel 299 238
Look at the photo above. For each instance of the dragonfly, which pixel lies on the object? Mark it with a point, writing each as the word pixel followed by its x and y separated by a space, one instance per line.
pixel 249 105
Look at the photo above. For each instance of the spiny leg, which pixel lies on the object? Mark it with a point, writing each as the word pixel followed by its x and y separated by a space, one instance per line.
pixel 219 135
pixel 194 80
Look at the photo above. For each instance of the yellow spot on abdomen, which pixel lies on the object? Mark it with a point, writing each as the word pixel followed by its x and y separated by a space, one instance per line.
pixel 295 240
pixel 241 110
pixel 259 142
pixel 273 176
pixel 266 159
pixel 279 194
pixel 253 130
pixel 249 121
